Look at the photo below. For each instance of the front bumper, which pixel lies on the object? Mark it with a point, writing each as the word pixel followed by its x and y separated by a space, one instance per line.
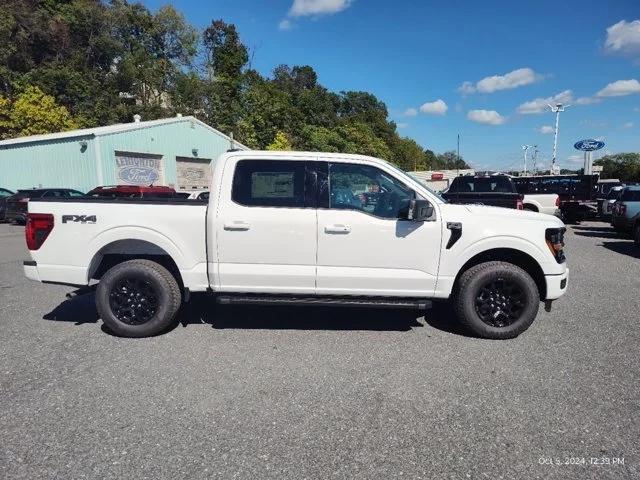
pixel 557 285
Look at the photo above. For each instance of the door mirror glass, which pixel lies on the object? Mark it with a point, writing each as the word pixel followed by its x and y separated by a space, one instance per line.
pixel 419 210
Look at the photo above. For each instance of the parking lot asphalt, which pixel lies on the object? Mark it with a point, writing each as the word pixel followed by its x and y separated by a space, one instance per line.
pixel 324 393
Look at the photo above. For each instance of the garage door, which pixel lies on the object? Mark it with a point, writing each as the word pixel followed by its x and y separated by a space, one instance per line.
pixel 193 173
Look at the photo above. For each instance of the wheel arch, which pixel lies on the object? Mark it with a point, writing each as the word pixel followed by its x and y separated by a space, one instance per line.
pixel 119 251
pixel 512 256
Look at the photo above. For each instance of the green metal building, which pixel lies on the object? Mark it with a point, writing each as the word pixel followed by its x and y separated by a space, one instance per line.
pixel 172 151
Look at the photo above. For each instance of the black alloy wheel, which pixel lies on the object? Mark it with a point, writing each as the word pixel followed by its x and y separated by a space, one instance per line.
pixel 500 302
pixel 133 300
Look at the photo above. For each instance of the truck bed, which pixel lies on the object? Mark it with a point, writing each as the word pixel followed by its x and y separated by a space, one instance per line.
pixel 86 230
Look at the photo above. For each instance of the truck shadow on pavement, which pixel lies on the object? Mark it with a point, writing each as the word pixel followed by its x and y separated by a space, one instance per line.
pixel 597 232
pixel 203 310
pixel 624 248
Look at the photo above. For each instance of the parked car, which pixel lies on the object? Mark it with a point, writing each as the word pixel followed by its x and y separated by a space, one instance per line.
pixel 193 194
pixel 272 234
pixel 4 194
pixel 132 191
pixel 17 204
pixel 602 189
pixel 492 190
pixel 626 211
pixel 609 201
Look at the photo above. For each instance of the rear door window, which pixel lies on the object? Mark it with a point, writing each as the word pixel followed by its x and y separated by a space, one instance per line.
pixel 269 183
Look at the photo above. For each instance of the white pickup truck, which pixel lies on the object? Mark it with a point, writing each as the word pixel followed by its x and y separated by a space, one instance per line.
pixel 548 203
pixel 301 228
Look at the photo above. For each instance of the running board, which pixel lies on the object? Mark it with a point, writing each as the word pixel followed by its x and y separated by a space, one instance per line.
pixel 326 301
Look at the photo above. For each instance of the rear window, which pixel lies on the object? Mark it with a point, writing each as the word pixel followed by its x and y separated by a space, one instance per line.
pixel 5 193
pixel 482 185
pixel 631 195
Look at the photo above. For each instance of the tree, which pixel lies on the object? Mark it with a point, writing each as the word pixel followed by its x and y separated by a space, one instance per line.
pixel 408 155
pixel 280 142
pixel 624 166
pixel 33 112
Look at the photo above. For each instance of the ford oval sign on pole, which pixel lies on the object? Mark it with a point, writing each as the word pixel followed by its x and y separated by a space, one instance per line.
pixel 588 146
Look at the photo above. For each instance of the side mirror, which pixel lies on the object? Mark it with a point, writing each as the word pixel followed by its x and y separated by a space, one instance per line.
pixel 419 210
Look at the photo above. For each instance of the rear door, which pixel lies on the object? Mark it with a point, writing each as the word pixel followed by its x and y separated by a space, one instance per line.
pixel 364 247
pixel 266 227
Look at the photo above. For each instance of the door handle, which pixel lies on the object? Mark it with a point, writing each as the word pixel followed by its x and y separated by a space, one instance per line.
pixel 338 228
pixel 238 226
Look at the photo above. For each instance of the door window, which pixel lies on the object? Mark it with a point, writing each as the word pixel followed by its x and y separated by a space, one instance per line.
pixel 269 183
pixel 367 189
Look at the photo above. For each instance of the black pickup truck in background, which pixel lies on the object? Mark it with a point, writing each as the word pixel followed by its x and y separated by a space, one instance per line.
pixel 577 193
pixel 494 190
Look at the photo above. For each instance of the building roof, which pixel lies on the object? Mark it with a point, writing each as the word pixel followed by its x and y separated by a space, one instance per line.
pixel 111 129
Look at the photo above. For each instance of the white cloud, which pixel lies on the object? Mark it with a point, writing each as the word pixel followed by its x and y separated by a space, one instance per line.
pixel 624 38
pixel 627 125
pixel 304 8
pixel 587 100
pixel 284 24
pixel 434 108
pixel 545 129
pixel 516 78
pixel 539 105
pixel 410 112
pixel 467 88
pixel 620 88
pixel 402 125
pixel 487 117
pixel 576 159
pixel 313 8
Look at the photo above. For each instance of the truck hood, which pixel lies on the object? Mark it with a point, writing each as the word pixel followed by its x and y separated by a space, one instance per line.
pixel 494 214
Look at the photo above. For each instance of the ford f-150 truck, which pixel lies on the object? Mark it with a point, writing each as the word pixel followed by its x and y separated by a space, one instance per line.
pixel 300 228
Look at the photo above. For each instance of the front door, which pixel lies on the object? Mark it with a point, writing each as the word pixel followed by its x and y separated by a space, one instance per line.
pixel 364 248
pixel 266 229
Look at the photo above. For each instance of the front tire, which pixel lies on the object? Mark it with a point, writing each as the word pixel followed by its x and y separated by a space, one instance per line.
pixel 138 298
pixel 496 300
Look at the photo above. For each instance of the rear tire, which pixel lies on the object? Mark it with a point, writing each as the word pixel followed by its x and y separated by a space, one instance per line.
pixel 138 298
pixel 496 300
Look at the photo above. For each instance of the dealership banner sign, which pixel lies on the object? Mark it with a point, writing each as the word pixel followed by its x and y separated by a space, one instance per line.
pixel 132 169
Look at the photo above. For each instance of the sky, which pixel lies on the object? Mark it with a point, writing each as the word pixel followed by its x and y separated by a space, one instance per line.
pixel 481 69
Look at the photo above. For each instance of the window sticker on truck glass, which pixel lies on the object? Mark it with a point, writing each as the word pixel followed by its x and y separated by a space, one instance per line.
pixel 272 184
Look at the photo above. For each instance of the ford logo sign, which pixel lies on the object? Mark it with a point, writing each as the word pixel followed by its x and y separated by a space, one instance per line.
pixel 588 145
pixel 139 175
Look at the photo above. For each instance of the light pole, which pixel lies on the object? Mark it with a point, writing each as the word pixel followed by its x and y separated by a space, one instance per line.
pixel 557 109
pixel 525 148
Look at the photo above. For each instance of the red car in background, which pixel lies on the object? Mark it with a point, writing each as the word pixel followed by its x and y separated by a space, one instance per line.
pixel 132 191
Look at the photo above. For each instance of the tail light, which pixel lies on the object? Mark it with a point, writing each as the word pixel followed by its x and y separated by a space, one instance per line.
pixel 38 228
pixel 555 242
pixel 24 200
pixel 622 209
pixel 557 201
pixel 519 204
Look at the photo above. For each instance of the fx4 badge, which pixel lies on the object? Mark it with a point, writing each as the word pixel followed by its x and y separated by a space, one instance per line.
pixel 79 218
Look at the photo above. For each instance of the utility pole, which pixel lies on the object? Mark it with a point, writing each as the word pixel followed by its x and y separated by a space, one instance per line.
pixel 458 158
pixel 557 109
pixel 535 158
pixel 525 148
